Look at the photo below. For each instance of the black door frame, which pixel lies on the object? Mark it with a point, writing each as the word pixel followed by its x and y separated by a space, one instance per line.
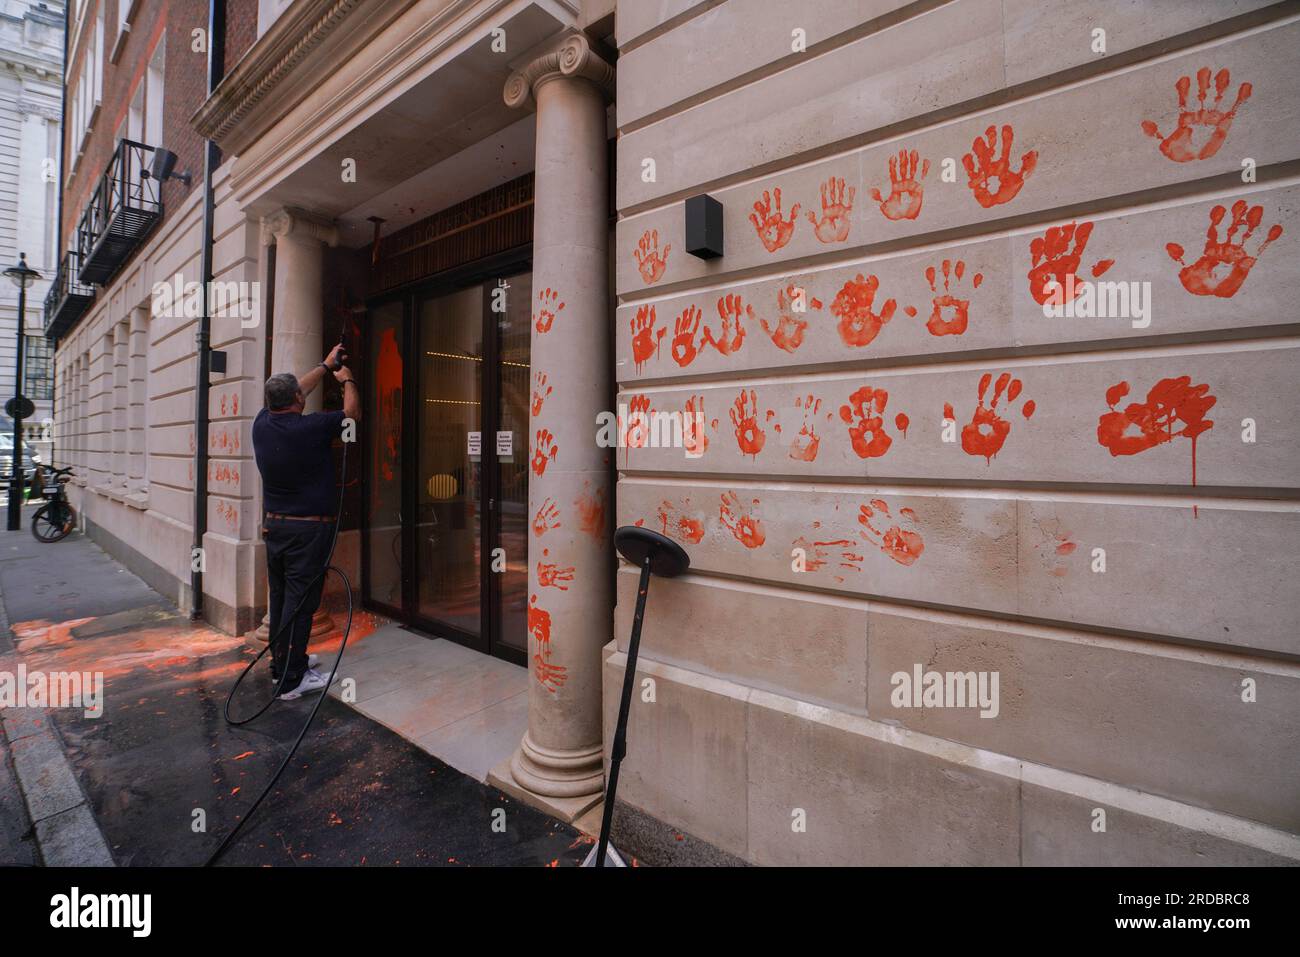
pixel 483 272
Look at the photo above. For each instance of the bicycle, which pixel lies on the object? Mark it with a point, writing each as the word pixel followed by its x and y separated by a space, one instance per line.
pixel 56 518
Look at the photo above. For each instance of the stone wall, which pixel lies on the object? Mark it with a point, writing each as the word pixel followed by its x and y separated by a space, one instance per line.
pixel 911 468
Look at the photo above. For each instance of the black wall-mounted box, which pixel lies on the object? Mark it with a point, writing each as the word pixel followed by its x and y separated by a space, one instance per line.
pixel 704 226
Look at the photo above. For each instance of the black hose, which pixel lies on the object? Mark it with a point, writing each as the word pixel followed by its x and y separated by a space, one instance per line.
pixel 347 629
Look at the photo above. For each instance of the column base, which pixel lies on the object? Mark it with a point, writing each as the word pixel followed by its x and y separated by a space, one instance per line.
pixel 563 784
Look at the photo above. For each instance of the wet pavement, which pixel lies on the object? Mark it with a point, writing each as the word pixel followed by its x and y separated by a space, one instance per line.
pixel 166 777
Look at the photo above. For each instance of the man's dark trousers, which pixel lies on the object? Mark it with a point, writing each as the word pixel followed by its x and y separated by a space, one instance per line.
pixel 295 561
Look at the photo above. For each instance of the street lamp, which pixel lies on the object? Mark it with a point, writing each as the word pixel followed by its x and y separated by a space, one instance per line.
pixel 19 407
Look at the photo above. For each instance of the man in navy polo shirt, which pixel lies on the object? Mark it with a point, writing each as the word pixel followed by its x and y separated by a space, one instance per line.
pixel 299 496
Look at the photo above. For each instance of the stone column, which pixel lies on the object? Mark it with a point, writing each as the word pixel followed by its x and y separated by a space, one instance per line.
pixel 298 340
pixel 297 337
pixel 137 397
pixel 559 761
pixel 118 419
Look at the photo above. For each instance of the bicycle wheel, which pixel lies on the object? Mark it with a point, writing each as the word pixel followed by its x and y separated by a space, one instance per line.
pixel 52 521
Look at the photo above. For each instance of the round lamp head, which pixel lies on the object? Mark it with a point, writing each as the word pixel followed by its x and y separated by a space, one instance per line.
pixel 667 558
pixel 21 275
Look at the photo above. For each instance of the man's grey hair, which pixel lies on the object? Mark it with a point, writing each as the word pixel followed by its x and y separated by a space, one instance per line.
pixel 281 391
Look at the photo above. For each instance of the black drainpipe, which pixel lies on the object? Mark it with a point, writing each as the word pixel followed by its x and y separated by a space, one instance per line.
pixel 203 338
pixel 62 173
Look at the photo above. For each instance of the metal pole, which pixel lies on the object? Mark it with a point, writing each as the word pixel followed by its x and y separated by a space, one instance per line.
pixel 16 468
pixel 619 747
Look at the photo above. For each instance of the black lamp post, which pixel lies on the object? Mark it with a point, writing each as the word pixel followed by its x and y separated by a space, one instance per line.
pixel 21 276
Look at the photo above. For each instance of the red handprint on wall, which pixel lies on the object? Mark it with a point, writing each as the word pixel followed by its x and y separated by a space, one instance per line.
pixel 680 525
pixel 773 230
pixel 816 553
pixel 1053 274
pixel 544 450
pixel 650 261
pixel 1213 124
pixel 949 315
pixel 551 575
pixel 685 327
pixel 1174 409
pixel 694 435
pixel 730 308
pixel 750 436
pixel 804 446
pixel 788 332
pixel 549 307
pixel 902 545
pixel 987 431
pixel 740 520
pixel 547 517
pixel 645 338
pixel 991 179
pixel 636 430
pixel 837 202
pixel 550 676
pixel 1224 266
pixel 906 190
pixel 591 511
pixel 540 391
pixel 859 325
pixel 865 416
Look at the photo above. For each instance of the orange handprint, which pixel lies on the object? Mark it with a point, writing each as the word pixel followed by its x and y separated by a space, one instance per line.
pixel 1203 277
pixel 1005 181
pixel 848 554
pixel 540 391
pixel 949 314
pixel 902 545
pixel 867 434
pixel 852 305
pixel 547 518
pixel 789 330
pixel 591 511
pixel 645 338
pixel 649 260
pixel 684 329
pixel 695 438
pixel 740 521
pixel 1178 144
pixel 906 190
pixel 1141 426
pixel 987 431
pixel 544 451
pixel 1055 264
pixel 680 525
pixel 744 416
pixel 730 309
pixel 837 203
pixel 549 308
pixel 636 430
pixel 539 629
pixel 551 575
pixel 772 229
pixel 804 446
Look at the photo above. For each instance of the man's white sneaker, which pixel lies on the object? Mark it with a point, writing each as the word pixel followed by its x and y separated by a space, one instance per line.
pixel 312 662
pixel 312 681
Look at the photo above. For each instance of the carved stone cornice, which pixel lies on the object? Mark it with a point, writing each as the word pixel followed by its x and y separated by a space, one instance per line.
pixel 573 58
pixel 291 38
pixel 298 224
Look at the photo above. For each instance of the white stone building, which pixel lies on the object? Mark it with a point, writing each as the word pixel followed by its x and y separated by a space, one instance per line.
pixel 31 59
pixel 967 579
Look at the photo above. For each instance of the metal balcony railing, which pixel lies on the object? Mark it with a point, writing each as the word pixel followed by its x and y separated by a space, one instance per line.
pixel 68 298
pixel 123 209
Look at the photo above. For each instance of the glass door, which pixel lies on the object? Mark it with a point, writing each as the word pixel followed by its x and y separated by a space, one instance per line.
pixel 445 542
pixel 449 469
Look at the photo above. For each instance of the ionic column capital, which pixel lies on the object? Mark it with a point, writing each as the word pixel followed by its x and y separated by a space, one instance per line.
pixel 574 58
pixel 297 223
